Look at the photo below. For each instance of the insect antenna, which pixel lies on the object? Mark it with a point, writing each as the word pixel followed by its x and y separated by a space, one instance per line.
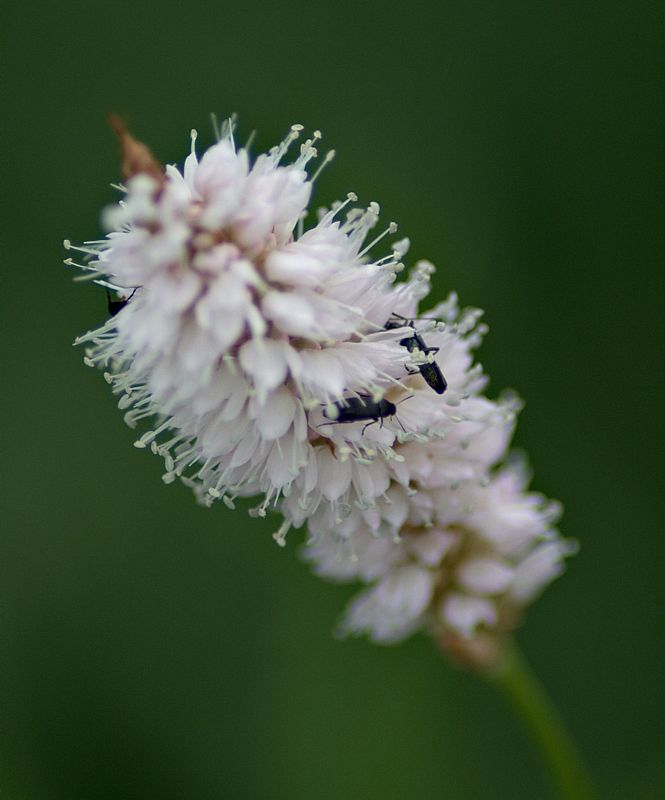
pixel 408 397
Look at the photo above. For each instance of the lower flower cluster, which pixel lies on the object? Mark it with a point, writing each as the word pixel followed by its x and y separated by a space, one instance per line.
pixel 485 549
pixel 286 362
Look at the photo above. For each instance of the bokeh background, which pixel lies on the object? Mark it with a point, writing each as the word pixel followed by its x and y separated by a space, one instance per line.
pixel 154 649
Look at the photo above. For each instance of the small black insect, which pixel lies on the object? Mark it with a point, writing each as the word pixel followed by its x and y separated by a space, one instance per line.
pixel 356 409
pixel 114 306
pixel 430 370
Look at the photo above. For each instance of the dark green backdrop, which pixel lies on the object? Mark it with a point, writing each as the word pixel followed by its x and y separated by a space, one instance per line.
pixel 153 649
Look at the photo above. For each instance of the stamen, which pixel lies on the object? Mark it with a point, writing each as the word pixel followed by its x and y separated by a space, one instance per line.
pixel 66 243
pixel 215 126
pixel 228 129
pixel 280 535
pixel 392 228
pixel 351 197
pixel 330 155
pixel 279 152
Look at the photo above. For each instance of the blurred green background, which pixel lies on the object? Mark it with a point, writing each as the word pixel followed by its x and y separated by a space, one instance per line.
pixel 154 649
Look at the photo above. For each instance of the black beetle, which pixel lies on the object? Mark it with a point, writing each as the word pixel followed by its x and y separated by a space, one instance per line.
pixel 356 409
pixel 430 370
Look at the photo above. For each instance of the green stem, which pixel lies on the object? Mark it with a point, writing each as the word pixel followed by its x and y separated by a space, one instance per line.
pixel 522 688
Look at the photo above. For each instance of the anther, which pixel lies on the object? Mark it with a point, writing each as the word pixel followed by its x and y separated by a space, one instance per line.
pixel 280 535
pixel 392 227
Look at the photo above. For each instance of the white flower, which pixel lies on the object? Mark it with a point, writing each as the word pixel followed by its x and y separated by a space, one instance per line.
pixel 242 335
pixel 392 608
pixel 447 439
pixel 286 362
pixel 480 575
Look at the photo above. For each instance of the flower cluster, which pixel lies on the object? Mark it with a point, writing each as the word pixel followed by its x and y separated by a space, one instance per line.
pixel 288 362
pixel 467 558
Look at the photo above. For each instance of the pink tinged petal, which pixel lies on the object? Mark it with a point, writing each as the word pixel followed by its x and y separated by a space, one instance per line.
pixel 219 167
pixel 189 170
pixel 332 559
pixel 393 608
pixel 431 547
pixel 401 472
pixel 377 556
pixel 380 476
pixel 171 293
pixel 226 295
pixel 296 268
pixel 362 483
pixel 540 567
pixel 193 348
pixel 220 181
pixel 396 508
pixel 300 421
pixel 338 320
pixel 421 510
pixel 264 361
pixel 282 466
pixel 293 362
pixel 464 613
pixel 274 417
pixel 322 373
pixel 371 480
pixel 294 195
pixel 253 224
pixel 485 575
pixel 311 471
pixel 334 476
pixel 222 436
pixel 228 330
pixel 290 312
pixel 214 393
pixel 236 400
pixel 224 324
pixel 372 519
pixel 245 449
pixel 173 175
